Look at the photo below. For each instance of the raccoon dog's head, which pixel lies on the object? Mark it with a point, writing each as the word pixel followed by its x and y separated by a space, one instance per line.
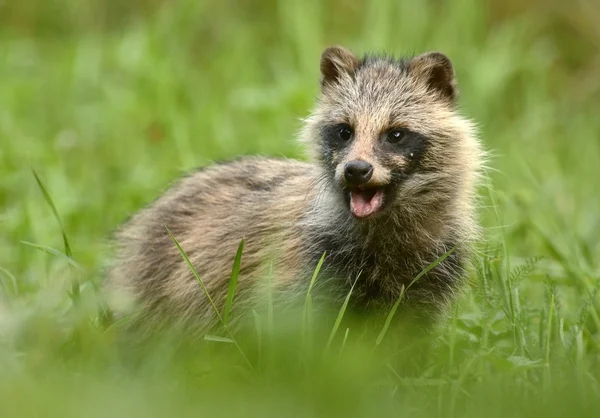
pixel 387 132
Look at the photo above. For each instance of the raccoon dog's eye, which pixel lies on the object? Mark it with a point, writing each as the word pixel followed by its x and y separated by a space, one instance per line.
pixel 396 136
pixel 345 132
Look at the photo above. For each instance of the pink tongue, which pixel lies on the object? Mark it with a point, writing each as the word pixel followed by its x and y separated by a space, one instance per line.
pixel 365 203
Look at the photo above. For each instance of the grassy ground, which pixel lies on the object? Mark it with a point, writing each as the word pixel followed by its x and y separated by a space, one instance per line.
pixel 110 101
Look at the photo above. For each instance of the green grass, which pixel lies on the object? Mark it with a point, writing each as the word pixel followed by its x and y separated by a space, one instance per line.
pixel 108 102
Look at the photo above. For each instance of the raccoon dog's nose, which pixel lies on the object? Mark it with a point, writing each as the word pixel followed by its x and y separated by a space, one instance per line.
pixel 358 172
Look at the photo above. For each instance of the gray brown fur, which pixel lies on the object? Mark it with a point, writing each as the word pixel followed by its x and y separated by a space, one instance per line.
pixel 290 212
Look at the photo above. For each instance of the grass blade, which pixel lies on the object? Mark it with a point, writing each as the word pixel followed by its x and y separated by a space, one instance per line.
pixel 388 319
pixel 549 329
pixel 198 279
pixel 340 316
pixel 218 339
pixel 344 340
pixel 210 300
pixel 75 283
pixel 13 281
pixel 233 281
pixel 271 304
pixel 121 322
pixel 307 314
pixel 315 274
pixel 257 324
pixel 431 266
pixel 52 251
pixel 54 212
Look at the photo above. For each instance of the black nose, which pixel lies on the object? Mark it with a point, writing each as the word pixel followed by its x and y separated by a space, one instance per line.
pixel 358 172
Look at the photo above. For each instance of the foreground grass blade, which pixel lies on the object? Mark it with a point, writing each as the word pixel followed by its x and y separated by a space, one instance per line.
pixel 55 213
pixel 233 281
pixel 75 283
pixel 340 316
pixel 218 339
pixel 121 322
pixel 52 251
pixel 549 330
pixel 307 314
pixel 205 290
pixel 314 278
pixel 431 266
pixel 259 334
pixel 345 339
pixel 388 319
pixel 12 279
pixel 270 304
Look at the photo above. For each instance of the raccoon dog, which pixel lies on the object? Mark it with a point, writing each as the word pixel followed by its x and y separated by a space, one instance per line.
pixel 390 190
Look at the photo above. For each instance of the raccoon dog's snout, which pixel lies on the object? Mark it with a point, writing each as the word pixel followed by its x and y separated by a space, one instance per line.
pixel 358 172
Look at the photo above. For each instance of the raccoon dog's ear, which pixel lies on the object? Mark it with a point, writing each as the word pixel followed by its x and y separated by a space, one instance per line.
pixel 436 69
pixel 336 61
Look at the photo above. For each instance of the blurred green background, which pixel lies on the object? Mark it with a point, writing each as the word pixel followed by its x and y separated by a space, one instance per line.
pixel 110 101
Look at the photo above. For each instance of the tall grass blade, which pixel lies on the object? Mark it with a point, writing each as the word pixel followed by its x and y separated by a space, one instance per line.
pixel 271 304
pixel 388 319
pixel 307 313
pixel 312 281
pixel 13 281
pixel 208 297
pixel 75 283
pixel 259 334
pixel 392 313
pixel 549 329
pixel 218 339
pixel 340 316
pixel 431 266
pixel 344 340
pixel 50 203
pixel 233 281
pixel 52 251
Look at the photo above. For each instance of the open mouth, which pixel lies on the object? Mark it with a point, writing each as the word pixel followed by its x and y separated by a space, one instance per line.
pixel 365 202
